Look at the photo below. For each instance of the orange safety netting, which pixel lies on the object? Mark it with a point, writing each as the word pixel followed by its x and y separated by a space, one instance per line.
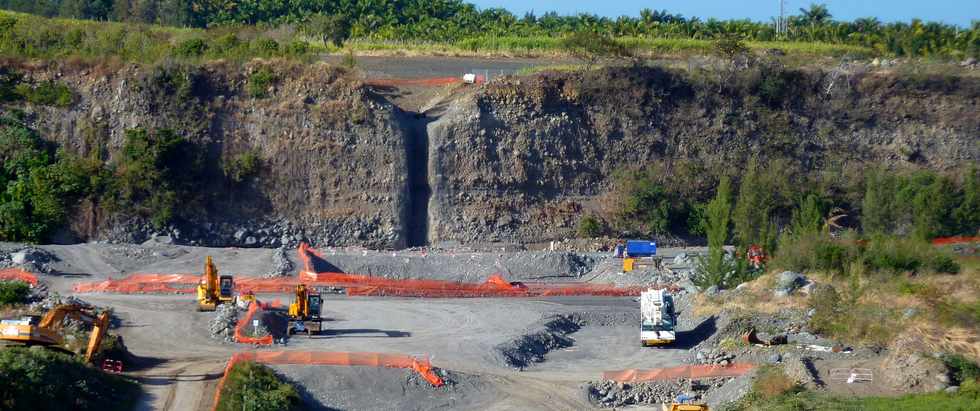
pixel 436 81
pixel 687 371
pixel 955 240
pixel 422 367
pixel 253 309
pixel 360 285
pixel 16 274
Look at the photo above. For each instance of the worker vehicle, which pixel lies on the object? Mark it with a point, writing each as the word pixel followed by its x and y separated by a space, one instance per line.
pixel 213 289
pixel 638 253
pixel 47 330
pixel 657 318
pixel 304 312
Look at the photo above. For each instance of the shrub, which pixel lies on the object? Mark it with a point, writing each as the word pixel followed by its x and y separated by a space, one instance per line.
pixel 13 292
pixel 265 46
pixel 47 93
pixel 590 226
pixel 901 255
pixel 40 379
pixel 962 369
pixel 191 48
pixel 242 166
pixel 771 381
pixel 256 387
pixel 260 81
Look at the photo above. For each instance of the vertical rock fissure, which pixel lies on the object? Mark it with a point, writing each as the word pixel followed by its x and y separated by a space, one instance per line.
pixel 419 189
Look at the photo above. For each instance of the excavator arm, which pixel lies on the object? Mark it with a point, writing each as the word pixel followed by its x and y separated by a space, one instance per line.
pixel 99 329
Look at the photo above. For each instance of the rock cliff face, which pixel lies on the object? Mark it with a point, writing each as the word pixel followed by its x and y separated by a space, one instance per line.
pixel 333 155
pixel 520 159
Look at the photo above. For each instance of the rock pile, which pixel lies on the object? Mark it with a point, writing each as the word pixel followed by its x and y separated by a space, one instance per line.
pixel 614 394
pixel 281 266
pixel 32 259
pixel 52 300
pixel 714 356
pixel 222 326
pixel 531 347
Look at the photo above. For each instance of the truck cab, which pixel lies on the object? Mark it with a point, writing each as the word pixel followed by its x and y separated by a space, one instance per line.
pixel 658 318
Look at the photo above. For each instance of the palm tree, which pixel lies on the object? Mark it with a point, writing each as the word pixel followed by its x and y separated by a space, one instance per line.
pixel 817 14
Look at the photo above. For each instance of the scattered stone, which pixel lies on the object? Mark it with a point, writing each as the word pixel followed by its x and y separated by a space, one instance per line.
pixel 281 266
pixel 788 282
pixel 33 260
pixel 222 326
pixel 608 394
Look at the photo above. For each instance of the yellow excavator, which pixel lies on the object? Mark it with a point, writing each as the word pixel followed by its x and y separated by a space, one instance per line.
pixel 46 330
pixel 304 312
pixel 213 289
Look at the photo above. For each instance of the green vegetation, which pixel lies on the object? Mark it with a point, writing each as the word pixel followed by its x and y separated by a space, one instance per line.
pixel 38 379
pixel 929 204
pixel 260 81
pixel 13 292
pixel 718 268
pixel 14 88
pixel 28 36
pixel 243 166
pixel 47 93
pixel 253 386
pixel 883 254
pixel 158 170
pixel 39 184
pixel 965 399
pixel 449 21
pixel 590 226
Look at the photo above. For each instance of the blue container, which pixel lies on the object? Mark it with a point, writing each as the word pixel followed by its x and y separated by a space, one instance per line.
pixel 641 248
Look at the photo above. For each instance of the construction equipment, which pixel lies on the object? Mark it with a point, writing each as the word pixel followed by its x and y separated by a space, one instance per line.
pixel 638 253
pixel 214 290
pixel 657 318
pixel 304 312
pixel 46 330
pixel 685 407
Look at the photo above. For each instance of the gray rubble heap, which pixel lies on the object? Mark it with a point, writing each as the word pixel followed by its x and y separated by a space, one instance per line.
pixel 281 266
pixel 222 326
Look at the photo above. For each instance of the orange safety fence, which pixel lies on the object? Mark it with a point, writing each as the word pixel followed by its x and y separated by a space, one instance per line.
pixel 687 371
pixel 361 285
pixel 253 309
pixel 16 274
pixel 955 240
pixel 422 367
pixel 436 81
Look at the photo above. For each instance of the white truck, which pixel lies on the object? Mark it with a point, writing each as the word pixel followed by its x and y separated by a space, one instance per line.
pixel 657 318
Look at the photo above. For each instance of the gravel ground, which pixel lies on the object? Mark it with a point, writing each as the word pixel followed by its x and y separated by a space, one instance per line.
pixel 370 388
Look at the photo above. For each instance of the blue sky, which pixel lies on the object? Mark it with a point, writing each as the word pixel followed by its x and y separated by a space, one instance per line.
pixel 959 12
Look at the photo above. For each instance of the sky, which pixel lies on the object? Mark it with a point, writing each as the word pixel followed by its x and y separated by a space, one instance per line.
pixel 959 12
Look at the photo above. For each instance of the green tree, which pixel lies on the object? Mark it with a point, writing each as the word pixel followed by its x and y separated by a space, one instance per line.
pixel 967 214
pixel 877 214
pixel 807 217
pixel 329 28
pixel 817 14
pixel 752 210
pixel 717 269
